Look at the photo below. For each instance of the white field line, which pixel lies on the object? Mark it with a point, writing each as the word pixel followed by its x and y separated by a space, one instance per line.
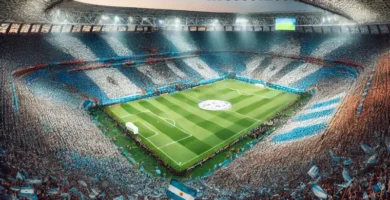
pixel 238 91
pixel 153 136
pixel 161 150
pixel 246 129
pixel 217 145
pixel 128 114
pixel 156 133
pixel 244 115
pixel 189 96
pixel 189 135
pixel 142 121
pixel 176 141
pixel 176 126
pixel 167 120
pixel 246 94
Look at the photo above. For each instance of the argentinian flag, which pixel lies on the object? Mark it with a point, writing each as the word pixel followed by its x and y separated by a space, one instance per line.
pixel 319 192
pixel 346 176
pixel 27 190
pixel 313 172
pixel 178 191
pixel 366 148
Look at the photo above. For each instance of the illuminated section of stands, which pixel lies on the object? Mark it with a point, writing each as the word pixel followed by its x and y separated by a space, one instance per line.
pixel 311 121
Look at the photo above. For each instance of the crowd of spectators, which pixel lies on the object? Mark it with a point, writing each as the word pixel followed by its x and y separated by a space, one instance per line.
pixel 50 139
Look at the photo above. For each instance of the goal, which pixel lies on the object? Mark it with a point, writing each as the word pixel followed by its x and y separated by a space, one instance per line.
pixel 131 127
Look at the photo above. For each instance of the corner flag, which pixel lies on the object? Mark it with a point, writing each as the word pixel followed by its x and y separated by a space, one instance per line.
pixel 178 191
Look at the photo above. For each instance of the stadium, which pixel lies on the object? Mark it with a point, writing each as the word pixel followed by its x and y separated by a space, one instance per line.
pixel 194 99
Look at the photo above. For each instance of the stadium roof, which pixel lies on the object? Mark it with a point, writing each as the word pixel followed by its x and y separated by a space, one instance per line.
pixel 361 11
pixel 211 5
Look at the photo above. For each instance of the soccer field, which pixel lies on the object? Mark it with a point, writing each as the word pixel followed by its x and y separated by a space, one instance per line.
pixel 182 134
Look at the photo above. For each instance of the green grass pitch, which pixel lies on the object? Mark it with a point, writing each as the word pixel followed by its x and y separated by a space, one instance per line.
pixel 180 133
pixel 286 27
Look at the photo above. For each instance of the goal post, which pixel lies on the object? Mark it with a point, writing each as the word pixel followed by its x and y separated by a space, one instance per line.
pixel 131 127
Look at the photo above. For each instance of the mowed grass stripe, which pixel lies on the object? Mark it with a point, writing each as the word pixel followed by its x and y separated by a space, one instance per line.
pixel 250 107
pixel 219 132
pixel 244 87
pixel 168 129
pixel 275 106
pixel 183 122
pixel 247 102
pixel 272 93
pixel 219 114
pixel 130 109
pixel 239 119
pixel 192 114
pixel 257 109
pixel 144 130
pixel 165 129
pixel 212 94
pixel 149 106
pixel 179 153
pixel 182 134
pixel 196 130
pixel 238 98
pixel 195 145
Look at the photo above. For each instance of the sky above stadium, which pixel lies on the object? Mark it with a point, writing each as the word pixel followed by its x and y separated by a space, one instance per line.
pixel 232 6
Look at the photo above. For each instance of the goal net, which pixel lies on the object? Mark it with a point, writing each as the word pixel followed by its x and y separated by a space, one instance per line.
pixel 131 127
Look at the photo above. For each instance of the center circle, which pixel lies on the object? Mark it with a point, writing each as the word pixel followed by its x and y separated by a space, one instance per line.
pixel 215 105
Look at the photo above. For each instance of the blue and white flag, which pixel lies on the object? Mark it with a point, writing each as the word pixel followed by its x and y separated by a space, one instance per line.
pixel 346 176
pixel 27 190
pixel 301 187
pixel 15 188
pixel 367 149
pixel 344 185
pixel 334 158
pixel 319 192
pixel 347 161
pixel 119 198
pixel 53 191
pixel 372 160
pixel 365 196
pixel 178 191
pixel 19 176
pixel 28 196
pixel 315 181
pixel 313 172
pixel 34 181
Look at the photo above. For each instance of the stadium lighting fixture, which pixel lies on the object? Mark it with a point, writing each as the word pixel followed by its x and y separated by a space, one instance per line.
pixel 215 22
pixel 130 19
pixel 177 21
pixel 104 17
pixel 144 18
pixel 323 19
pixel 161 21
pixel 241 21
pixel 116 19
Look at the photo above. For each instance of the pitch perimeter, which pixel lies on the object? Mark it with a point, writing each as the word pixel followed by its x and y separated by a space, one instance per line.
pixel 182 134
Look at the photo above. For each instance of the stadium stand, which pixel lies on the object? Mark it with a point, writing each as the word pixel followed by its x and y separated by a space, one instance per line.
pixel 52 149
